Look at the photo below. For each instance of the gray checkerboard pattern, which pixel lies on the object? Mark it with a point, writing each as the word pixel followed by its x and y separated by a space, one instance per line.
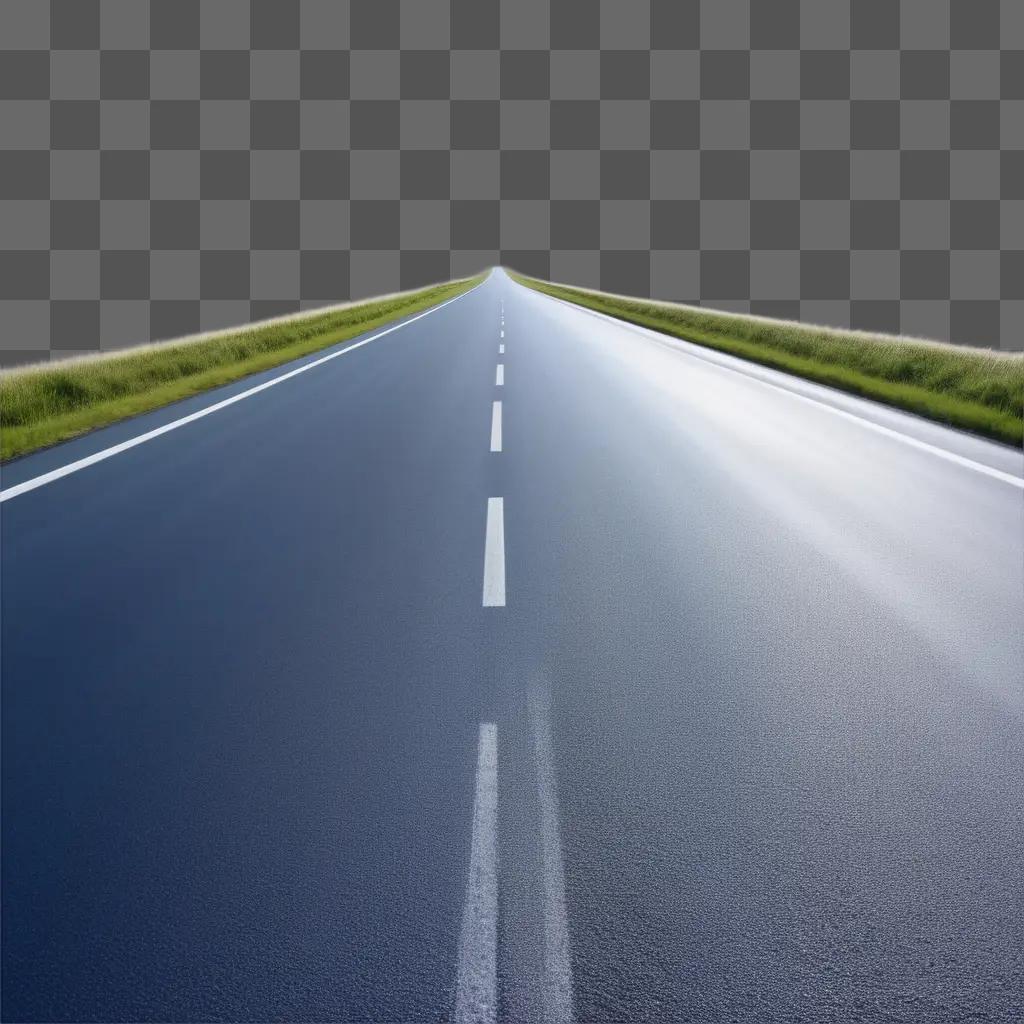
pixel 176 165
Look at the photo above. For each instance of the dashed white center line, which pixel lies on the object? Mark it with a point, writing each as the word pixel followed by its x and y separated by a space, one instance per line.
pixel 499 377
pixel 476 998
pixel 501 350
pixel 494 555
pixel 496 427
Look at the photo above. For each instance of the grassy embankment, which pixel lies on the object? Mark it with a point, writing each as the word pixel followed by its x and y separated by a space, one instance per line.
pixel 974 389
pixel 41 405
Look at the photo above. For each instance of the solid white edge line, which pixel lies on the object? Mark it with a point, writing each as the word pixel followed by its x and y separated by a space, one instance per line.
pixel 106 453
pixel 557 981
pixel 494 555
pixel 496 427
pixel 499 376
pixel 476 993
pixel 913 442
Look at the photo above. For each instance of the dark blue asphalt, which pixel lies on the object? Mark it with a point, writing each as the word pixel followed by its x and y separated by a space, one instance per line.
pixel 244 667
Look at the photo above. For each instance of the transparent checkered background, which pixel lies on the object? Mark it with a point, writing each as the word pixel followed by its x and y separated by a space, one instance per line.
pixel 176 165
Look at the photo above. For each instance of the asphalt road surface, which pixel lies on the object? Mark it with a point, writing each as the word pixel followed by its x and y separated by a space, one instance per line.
pixel 672 689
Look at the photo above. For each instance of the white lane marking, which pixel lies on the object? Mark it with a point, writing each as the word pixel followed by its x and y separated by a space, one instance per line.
pixel 496 427
pixel 501 350
pixel 499 377
pixel 557 981
pixel 494 555
pixel 476 997
pixel 913 442
pixel 503 334
pixel 106 453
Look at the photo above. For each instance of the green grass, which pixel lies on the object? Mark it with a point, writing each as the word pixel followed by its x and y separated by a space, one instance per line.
pixel 974 389
pixel 41 405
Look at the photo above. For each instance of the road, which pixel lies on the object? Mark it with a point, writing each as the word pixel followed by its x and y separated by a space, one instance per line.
pixel 675 690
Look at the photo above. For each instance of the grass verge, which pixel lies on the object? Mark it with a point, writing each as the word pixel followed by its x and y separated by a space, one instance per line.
pixel 977 390
pixel 41 405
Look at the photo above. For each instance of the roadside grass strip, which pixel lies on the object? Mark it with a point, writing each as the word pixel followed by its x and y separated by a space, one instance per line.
pixel 41 405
